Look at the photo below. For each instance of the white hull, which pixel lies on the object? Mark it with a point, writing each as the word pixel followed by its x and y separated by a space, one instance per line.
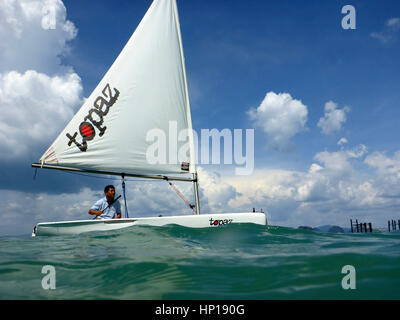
pixel 193 221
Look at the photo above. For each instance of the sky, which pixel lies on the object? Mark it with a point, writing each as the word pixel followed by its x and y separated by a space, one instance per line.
pixel 322 98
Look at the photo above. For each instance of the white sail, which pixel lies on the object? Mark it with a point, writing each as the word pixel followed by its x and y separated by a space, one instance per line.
pixel 145 89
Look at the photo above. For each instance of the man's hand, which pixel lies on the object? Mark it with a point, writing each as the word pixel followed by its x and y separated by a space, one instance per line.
pixel 96 213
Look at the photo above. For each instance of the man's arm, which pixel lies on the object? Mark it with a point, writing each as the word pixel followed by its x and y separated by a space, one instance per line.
pixel 118 210
pixel 95 212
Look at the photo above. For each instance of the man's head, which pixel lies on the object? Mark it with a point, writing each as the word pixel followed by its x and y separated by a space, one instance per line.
pixel 109 191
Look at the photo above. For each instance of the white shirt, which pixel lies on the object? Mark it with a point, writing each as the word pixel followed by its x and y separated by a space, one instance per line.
pixel 110 212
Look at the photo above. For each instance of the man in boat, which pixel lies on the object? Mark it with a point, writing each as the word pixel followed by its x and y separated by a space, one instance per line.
pixel 107 207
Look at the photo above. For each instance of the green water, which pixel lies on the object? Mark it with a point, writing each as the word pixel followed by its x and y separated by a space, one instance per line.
pixel 173 262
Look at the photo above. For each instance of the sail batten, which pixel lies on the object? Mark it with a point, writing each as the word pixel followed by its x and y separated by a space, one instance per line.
pixel 125 124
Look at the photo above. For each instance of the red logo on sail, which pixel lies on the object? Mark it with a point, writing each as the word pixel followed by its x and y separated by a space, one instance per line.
pixel 87 130
pixel 88 126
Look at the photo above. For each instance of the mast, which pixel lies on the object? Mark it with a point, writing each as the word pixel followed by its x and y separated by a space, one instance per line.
pixel 196 193
pixel 192 167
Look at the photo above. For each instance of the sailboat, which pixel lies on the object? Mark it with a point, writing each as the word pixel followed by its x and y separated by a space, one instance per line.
pixel 144 90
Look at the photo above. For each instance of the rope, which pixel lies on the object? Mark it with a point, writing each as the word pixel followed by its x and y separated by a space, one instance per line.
pixel 34 176
pixel 191 206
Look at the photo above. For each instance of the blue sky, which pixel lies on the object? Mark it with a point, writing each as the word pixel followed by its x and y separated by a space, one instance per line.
pixel 236 52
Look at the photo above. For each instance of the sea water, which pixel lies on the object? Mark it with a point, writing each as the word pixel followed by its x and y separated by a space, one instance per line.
pixel 230 262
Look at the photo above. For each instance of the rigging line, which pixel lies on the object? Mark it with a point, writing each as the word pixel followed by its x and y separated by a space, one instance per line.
pixel 34 176
pixel 191 206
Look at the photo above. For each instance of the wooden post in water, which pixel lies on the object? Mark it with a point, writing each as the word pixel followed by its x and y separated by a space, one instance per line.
pixel 370 227
pixel 365 227
pixel 357 226
pixel 351 225
pixel 389 226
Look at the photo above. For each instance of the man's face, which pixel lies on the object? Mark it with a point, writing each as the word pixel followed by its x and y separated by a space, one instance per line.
pixel 110 194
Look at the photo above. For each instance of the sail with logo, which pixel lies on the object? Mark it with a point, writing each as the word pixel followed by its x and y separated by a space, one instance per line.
pixel 144 90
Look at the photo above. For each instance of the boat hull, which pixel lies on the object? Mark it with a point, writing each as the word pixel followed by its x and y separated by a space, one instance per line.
pixel 193 221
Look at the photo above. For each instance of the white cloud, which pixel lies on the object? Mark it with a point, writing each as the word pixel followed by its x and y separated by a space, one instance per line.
pixel 34 107
pixel 333 118
pixel 387 167
pixel 19 218
pixel 25 44
pixel 381 36
pixel 331 191
pixel 37 93
pixel 393 23
pixel 281 117
pixel 215 193
pixel 389 32
pixel 342 141
pixel 339 160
